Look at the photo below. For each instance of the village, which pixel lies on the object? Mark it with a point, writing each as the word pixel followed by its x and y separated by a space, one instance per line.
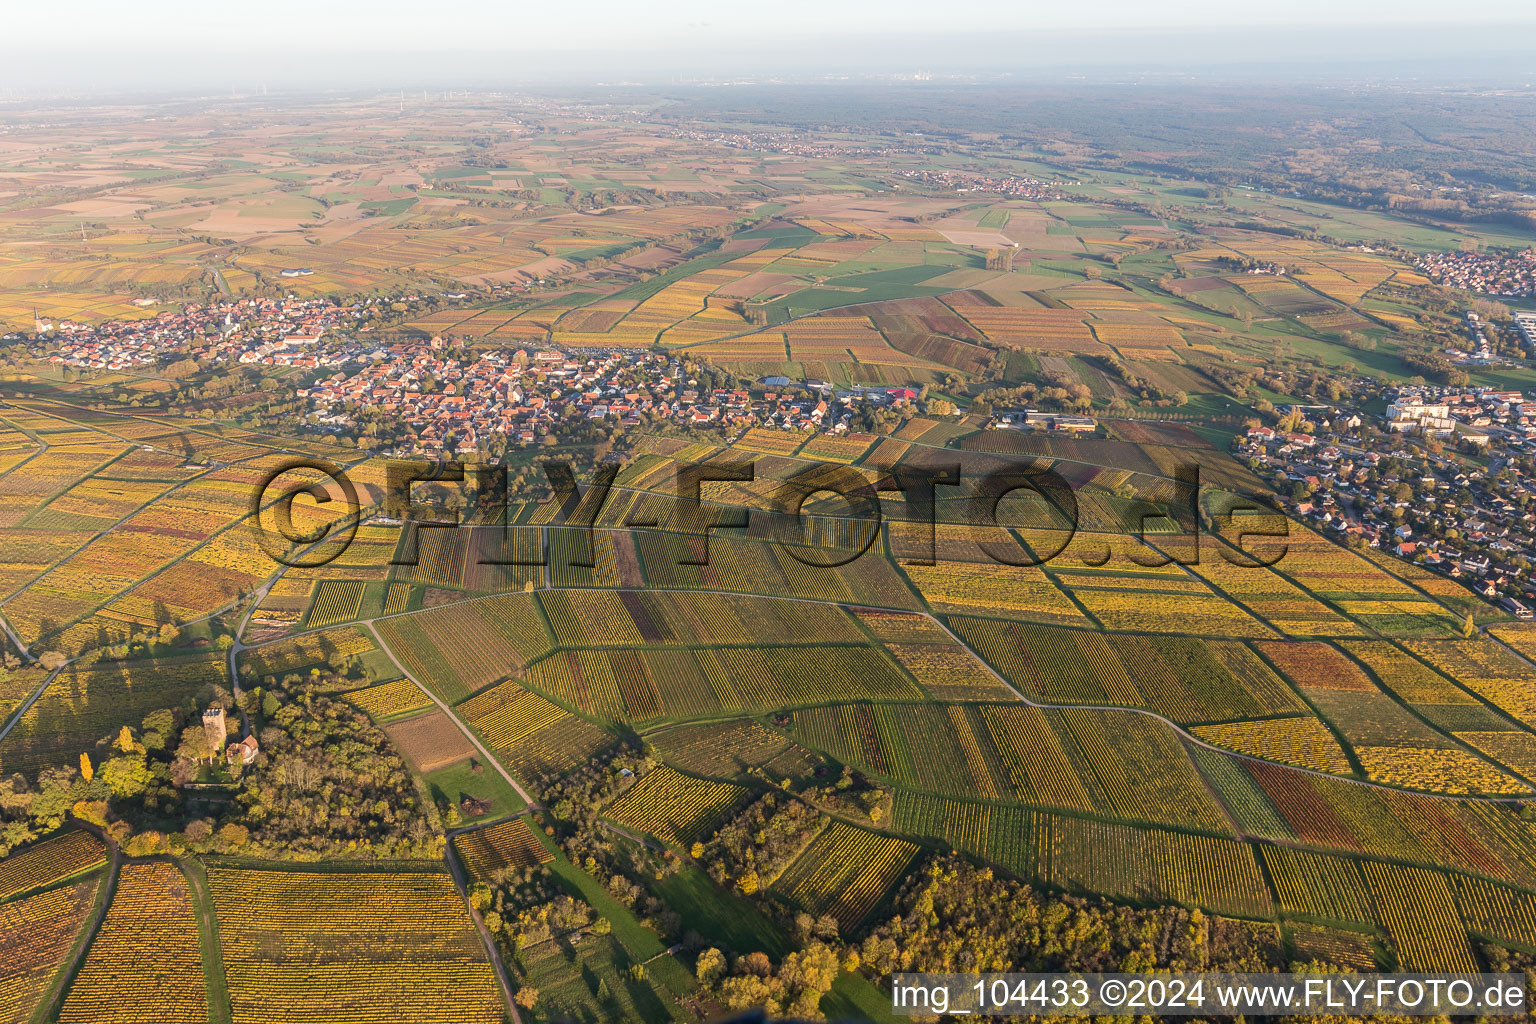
pixel 442 405
pixel 274 331
pixel 1006 184
pixel 1487 273
pixel 1398 482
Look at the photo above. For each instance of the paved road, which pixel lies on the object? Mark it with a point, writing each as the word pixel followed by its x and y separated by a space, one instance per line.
pixel 461 883
pixel 368 625
pixel 491 758
pixel 1175 726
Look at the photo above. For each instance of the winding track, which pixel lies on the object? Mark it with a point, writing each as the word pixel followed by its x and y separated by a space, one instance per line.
pixel 1183 733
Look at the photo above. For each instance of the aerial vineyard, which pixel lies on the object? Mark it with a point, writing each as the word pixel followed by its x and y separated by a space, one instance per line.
pixel 638 685
pixel 280 657
pixel 385 946
pixel 1000 833
pixel 983 589
pixel 1188 679
pixel 1302 741
pixel 1332 757
pixel 674 807
pixel 1333 946
pixel 462 648
pixel 1135 768
pixel 943 748
pixel 37 935
pixel 949 672
pixel 1117 860
pixel 336 601
pixel 82 704
pixel 50 861
pixel 144 964
pixel 1436 769
pixel 1317 885
pixel 845 872
pixel 1419 913
pixel 485 851
pixel 1496 911
pixel 390 700
pixel 724 749
pixel 396 598
pixel 533 737
pixel 1034 757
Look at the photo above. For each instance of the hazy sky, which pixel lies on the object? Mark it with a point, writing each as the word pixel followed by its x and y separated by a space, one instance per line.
pixel 63 25
pixel 89 46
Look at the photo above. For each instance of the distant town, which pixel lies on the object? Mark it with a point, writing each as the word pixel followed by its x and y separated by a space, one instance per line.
pixel 272 331
pixel 1512 276
pixel 1397 483
pixel 442 405
pixel 1391 480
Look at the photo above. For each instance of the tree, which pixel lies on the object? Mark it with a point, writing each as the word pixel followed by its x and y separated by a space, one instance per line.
pixel 1469 628
pixel 711 967
pixel 146 844
pixel 232 836
pixel 92 811
pixel 158 728
pixel 86 771
pixel 126 775
pixel 527 997
pixel 745 992
pixel 194 744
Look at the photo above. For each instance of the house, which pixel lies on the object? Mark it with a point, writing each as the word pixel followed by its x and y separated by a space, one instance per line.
pixel 244 751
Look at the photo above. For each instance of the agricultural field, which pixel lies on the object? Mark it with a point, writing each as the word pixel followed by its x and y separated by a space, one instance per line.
pixel 672 806
pixel 1419 912
pixel 459 649
pixel 793 737
pixel 430 740
pixel 50 861
pixel 364 932
pixel 535 737
pixel 37 935
pixel 305 652
pixel 496 847
pixel 845 873
pixel 83 704
pixel 728 749
pixel 399 698
pixel 1216 873
pixel 144 962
